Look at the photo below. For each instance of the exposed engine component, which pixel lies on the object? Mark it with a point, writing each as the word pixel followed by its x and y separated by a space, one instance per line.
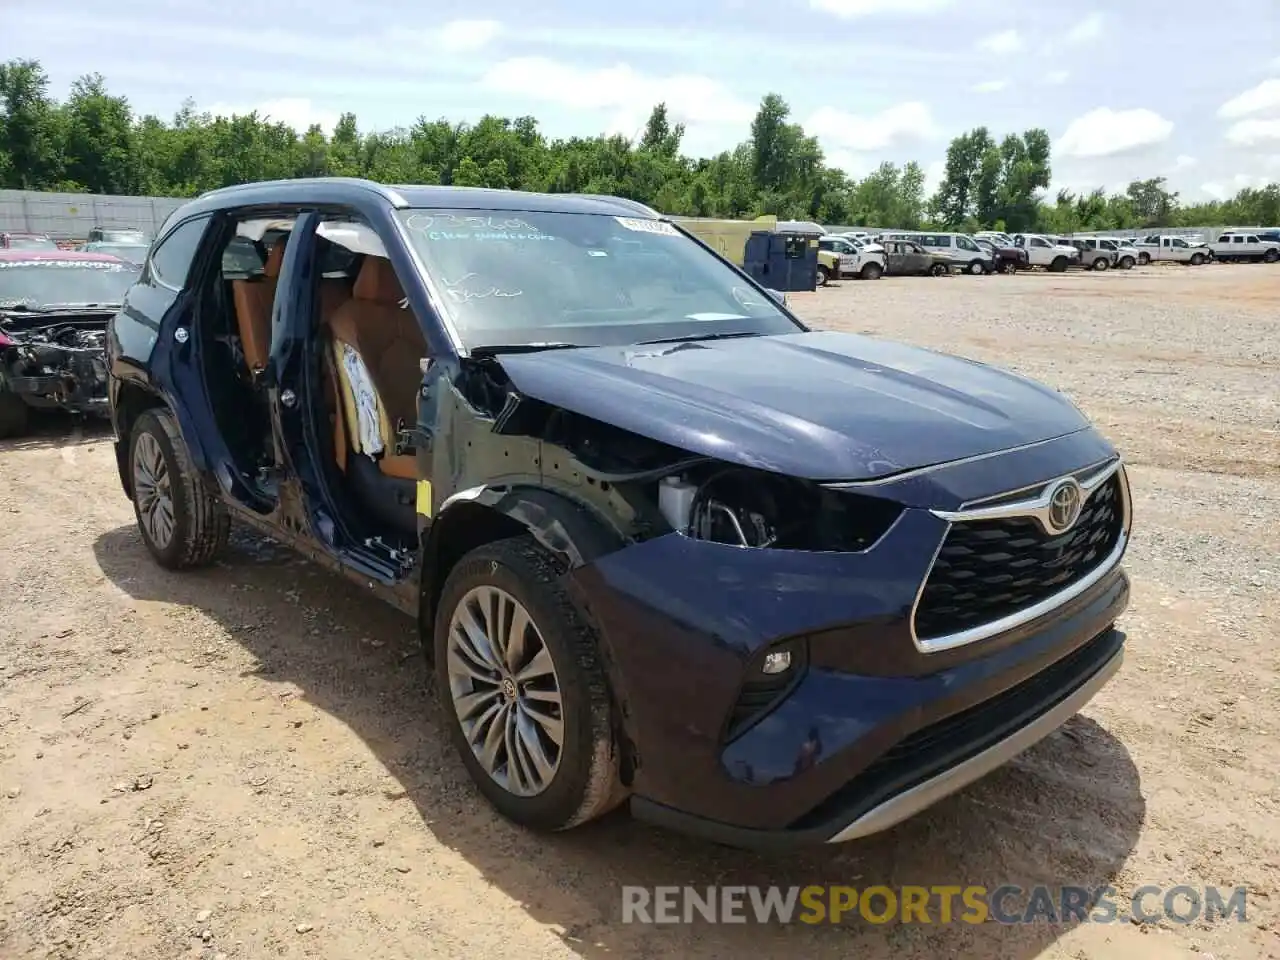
pixel 60 364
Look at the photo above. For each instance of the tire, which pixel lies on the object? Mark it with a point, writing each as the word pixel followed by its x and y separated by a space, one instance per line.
pixel 197 520
pixel 1197 259
pixel 976 268
pixel 824 276
pixel 585 782
pixel 872 271
pixel 1059 265
pixel 1126 263
pixel 939 270
pixel 1144 259
pixel 13 413
pixel 1271 256
pixel 1101 263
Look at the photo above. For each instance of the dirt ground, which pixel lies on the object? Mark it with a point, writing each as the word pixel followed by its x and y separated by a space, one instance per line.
pixel 241 762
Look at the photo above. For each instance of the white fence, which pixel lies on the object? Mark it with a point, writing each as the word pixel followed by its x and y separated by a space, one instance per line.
pixel 70 216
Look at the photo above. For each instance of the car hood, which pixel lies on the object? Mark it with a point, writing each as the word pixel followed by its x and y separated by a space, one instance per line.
pixel 818 405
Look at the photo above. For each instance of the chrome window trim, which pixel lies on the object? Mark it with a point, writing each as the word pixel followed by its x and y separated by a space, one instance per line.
pixel 1034 508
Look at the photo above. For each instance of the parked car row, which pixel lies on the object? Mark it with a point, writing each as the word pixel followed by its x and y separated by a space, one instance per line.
pixel 583 451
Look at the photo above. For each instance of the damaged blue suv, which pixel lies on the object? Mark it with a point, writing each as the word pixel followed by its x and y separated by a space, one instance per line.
pixel 665 544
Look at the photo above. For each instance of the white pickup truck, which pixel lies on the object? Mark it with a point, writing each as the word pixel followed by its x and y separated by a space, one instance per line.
pixel 1043 252
pixel 857 258
pixel 1172 249
pixel 1240 245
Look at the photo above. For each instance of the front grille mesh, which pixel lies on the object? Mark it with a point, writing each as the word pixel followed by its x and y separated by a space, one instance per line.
pixel 989 569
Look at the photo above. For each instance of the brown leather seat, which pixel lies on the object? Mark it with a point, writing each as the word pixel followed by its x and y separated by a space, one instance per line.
pixel 253 300
pixel 376 329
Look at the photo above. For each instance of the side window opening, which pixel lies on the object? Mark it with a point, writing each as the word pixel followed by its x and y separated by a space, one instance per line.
pixel 171 260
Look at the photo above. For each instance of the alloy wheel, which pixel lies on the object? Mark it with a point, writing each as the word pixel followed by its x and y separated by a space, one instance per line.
pixel 152 490
pixel 505 690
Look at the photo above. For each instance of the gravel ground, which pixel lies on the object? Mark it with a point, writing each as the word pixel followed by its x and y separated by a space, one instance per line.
pixel 241 763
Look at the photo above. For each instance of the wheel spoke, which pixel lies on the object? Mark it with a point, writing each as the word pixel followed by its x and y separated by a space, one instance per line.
pixel 520 779
pixel 492 745
pixel 515 645
pixel 533 747
pixel 553 725
pixel 471 704
pixel 540 666
pixel 477 641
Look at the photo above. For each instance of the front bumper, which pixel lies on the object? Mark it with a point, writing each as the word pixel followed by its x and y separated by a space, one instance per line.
pixel 876 728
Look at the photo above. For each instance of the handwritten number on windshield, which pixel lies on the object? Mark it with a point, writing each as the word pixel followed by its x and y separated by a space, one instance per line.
pixel 471 287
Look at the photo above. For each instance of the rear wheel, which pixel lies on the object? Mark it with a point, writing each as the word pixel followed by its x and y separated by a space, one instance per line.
pixel 939 270
pixel 872 271
pixel 1271 256
pixel 1197 259
pixel 1101 263
pixel 182 520
pixel 519 674
pixel 1059 264
pixel 977 268
pixel 13 412
pixel 1126 263
pixel 1144 259
pixel 824 275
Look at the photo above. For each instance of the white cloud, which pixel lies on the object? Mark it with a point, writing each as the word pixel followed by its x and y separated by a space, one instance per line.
pixel 1253 132
pixel 1183 162
pixel 904 123
pixel 298 112
pixel 933 175
pixel 1264 97
pixel 1057 76
pixel 629 94
pixel 459 36
pixel 1221 191
pixel 989 86
pixel 1090 28
pixel 1006 41
pixel 855 9
pixel 1105 132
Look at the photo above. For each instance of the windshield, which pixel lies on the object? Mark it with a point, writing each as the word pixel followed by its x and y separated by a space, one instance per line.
pixel 37 284
pixel 516 278
pixel 31 243
pixel 133 252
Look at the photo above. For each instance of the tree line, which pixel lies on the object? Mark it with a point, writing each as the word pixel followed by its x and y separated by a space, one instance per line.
pixel 94 142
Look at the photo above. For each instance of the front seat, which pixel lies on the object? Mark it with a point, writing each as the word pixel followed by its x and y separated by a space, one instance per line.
pixel 376 348
pixel 253 300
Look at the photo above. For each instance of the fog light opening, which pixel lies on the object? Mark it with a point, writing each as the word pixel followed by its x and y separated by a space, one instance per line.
pixel 776 662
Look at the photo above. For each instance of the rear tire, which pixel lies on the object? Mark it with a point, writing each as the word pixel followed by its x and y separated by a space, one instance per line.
pixel 13 413
pixel 872 271
pixel 581 782
pixel 1126 263
pixel 1271 256
pixel 1101 263
pixel 824 276
pixel 939 270
pixel 1059 265
pixel 182 520
pixel 977 268
pixel 1144 259
pixel 1197 259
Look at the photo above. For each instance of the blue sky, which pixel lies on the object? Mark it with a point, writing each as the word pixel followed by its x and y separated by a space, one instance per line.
pixel 1189 90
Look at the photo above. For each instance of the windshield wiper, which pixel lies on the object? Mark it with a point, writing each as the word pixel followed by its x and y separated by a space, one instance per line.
pixel 493 349
pixel 702 336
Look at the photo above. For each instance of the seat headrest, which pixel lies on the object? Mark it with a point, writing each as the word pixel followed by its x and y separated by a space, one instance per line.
pixel 377 282
pixel 275 260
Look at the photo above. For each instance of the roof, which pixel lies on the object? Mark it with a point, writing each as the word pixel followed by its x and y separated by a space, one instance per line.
pixel 25 233
pixel 409 196
pixel 57 255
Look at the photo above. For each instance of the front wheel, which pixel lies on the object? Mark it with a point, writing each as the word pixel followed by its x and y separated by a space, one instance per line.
pixel 1126 263
pixel 1271 256
pixel 824 275
pixel 1144 259
pixel 1101 263
pixel 977 268
pixel 1059 265
pixel 939 270
pixel 872 271
pixel 1197 259
pixel 520 679
pixel 182 520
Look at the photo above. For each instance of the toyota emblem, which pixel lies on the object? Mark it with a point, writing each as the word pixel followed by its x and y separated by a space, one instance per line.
pixel 1065 502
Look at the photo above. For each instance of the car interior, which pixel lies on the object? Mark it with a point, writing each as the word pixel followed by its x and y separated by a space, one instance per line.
pixel 365 352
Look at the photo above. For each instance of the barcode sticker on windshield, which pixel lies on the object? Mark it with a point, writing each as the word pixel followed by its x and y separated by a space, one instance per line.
pixel 648 226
